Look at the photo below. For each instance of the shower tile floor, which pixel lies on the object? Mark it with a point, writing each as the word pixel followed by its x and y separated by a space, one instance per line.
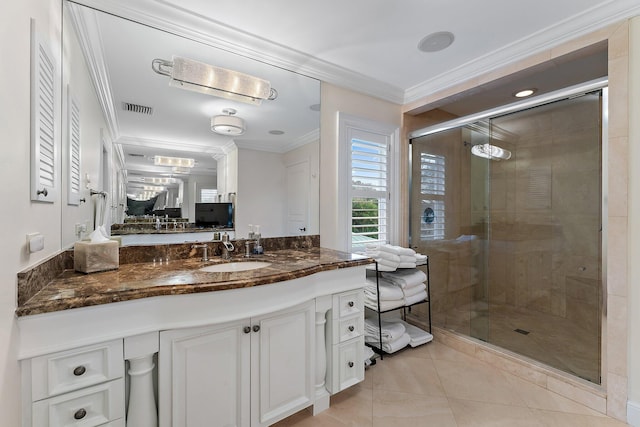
pixel 555 341
pixel 435 385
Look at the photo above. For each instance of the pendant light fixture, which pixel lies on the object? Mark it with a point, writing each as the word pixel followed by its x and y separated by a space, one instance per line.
pixel 228 123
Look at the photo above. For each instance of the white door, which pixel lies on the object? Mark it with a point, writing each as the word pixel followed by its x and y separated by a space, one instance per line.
pixel 298 199
pixel 204 376
pixel 282 374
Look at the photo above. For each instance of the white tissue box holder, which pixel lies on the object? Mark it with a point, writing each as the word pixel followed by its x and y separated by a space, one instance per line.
pixel 93 257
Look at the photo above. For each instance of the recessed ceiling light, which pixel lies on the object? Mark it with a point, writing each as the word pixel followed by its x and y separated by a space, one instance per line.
pixel 276 132
pixel 525 92
pixel 435 42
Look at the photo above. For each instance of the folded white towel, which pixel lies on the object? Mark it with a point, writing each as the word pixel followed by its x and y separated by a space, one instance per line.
pixel 385 262
pixel 406 278
pixel 407 258
pixel 384 305
pixel 407 264
pixel 417 335
pixel 419 297
pixel 388 290
pixel 420 257
pixel 396 250
pixel 390 330
pixel 392 346
pixel 382 255
pixel 413 290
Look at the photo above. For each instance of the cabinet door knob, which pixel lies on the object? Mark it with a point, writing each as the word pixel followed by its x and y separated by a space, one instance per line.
pixel 256 328
pixel 80 414
pixel 79 370
pixel 44 192
pixel 350 364
pixel 351 328
pixel 246 329
pixel 350 304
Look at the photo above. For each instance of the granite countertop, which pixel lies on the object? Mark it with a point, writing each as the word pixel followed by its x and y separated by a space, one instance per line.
pixel 180 276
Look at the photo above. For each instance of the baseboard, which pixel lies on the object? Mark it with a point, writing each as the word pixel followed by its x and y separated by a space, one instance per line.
pixel 633 413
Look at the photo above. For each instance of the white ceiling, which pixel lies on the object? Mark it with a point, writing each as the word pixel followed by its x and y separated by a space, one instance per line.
pixel 366 45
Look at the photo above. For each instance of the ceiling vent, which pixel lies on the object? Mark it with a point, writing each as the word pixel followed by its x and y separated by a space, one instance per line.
pixel 135 108
pixel 136 155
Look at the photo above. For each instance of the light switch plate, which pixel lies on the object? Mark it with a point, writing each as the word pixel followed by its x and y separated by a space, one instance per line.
pixel 35 242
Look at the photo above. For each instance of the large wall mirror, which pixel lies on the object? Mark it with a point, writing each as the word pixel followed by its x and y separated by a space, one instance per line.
pixel 129 116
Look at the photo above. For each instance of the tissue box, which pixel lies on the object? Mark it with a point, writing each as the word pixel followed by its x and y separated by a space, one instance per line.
pixel 92 257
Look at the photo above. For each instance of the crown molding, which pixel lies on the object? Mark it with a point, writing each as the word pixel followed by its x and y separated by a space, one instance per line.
pixel 579 25
pixel 84 22
pixel 171 145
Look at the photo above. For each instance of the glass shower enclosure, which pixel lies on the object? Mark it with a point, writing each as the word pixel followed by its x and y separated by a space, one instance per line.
pixel 509 210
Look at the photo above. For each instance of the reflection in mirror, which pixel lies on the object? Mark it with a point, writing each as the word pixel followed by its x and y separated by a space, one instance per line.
pixel 135 120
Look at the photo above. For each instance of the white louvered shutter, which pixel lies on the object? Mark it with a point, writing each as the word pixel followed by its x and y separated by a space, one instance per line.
pixel 43 121
pixel 74 150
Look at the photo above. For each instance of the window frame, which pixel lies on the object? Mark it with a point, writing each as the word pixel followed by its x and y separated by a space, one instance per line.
pixel 353 127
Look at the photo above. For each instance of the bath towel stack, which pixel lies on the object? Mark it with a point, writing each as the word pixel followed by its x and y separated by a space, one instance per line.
pixel 417 335
pixel 411 282
pixel 390 257
pixel 394 335
pixel 391 295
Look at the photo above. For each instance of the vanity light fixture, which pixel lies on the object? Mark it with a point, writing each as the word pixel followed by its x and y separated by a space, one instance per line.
pixel 154 180
pixel 227 124
pixel 525 93
pixel 153 188
pixel 199 77
pixel 173 161
pixel 491 152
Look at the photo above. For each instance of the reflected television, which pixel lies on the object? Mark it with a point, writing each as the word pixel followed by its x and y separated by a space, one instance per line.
pixel 215 215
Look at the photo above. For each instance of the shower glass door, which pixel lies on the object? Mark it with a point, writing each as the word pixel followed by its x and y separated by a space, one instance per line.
pixel 511 219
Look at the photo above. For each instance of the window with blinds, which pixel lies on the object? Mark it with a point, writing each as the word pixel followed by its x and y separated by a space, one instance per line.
pixel 369 194
pixel 43 120
pixel 74 150
pixel 208 195
pixel 432 191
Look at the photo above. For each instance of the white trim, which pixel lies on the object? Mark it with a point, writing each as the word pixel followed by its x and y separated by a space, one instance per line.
pixel 347 123
pixel 633 413
pixel 85 24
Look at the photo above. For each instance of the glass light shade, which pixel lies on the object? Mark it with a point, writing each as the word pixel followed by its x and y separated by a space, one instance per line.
pixel 492 152
pixel 204 78
pixel 173 161
pixel 227 125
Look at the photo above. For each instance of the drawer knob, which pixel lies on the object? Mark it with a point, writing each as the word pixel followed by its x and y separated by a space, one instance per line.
pixel 247 329
pixel 350 364
pixel 351 328
pixel 80 414
pixel 80 370
pixel 350 304
pixel 256 328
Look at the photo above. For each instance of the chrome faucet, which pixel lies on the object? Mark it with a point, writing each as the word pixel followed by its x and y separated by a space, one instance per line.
pixel 247 247
pixel 205 256
pixel 227 247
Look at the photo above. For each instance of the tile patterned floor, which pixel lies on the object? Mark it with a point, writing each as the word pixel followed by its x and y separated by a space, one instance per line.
pixel 437 386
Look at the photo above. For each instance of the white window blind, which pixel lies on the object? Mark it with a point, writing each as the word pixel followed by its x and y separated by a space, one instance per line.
pixel 432 190
pixel 208 195
pixel 74 150
pixel 369 192
pixel 43 120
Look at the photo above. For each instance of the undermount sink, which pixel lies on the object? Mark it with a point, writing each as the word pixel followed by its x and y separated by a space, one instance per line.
pixel 235 266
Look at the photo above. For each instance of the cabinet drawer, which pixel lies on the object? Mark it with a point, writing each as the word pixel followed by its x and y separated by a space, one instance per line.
pixel 348 303
pixel 348 328
pixel 93 406
pixel 70 370
pixel 349 363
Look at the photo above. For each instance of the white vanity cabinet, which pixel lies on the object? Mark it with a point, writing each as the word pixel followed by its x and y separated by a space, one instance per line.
pixel 251 372
pixel 345 341
pixel 79 387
